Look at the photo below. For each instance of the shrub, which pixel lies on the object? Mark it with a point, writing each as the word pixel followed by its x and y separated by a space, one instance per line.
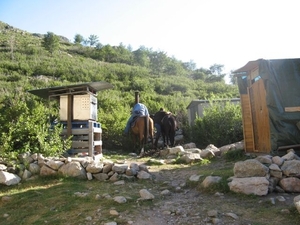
pixel 235 155
pixel 25 127
pixel 220 125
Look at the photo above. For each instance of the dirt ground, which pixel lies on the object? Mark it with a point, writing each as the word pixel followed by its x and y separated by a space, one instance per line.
pixel 186 204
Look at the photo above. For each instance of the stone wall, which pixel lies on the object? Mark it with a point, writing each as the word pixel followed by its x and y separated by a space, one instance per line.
pixel 259 176
pixel 266 174
pixel 81 168
pixel 88 168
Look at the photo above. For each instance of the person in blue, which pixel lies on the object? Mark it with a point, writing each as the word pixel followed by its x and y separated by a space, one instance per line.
pixel 139 109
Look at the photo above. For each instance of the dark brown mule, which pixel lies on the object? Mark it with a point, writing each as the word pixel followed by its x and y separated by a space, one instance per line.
pixel 142 129
pixel 168 129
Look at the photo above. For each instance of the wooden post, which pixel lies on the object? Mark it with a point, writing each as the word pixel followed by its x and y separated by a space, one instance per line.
pixel 137 97
pixel 70 115
pixel 91 139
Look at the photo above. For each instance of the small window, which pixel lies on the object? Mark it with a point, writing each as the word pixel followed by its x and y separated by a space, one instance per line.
pixel 256 79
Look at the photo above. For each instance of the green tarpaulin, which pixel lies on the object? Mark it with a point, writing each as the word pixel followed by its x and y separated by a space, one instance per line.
pixel 282 84
pixel 281 79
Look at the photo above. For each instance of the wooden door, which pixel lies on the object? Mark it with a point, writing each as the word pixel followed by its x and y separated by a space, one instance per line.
pixel 260 117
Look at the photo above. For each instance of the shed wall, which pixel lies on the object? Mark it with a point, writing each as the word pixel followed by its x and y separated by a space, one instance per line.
pixel 247 123
pixel 260 117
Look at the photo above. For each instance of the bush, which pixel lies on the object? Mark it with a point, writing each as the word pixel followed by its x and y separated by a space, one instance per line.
pixel 25 127
pixel 220 125
pixel 236 155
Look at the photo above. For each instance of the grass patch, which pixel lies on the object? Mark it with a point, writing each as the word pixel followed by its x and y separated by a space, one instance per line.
pixel 154 162
pixel 235 155
pixel 55 201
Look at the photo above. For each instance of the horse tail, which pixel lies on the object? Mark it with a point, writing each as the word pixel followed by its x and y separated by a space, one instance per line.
pixel 173 123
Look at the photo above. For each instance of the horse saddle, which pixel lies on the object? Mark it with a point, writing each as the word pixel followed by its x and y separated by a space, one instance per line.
pixel 134 120
pixel 165 116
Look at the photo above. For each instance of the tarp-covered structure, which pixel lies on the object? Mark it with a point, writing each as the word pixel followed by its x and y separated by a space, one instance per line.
pixel 270 99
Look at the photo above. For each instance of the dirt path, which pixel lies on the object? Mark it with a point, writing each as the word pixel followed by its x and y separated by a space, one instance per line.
pixel 187 205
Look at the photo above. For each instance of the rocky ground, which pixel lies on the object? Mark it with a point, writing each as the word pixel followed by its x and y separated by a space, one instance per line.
pixel 186 204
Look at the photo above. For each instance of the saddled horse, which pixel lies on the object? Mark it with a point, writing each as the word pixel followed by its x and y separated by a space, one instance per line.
pixel 142 129
pixel 168 129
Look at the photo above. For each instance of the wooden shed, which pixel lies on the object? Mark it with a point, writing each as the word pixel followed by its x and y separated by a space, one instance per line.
pixel 78 115
pixel 270 102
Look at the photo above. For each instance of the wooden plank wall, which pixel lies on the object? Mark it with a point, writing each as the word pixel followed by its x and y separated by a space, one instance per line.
pixel 260 117
pixel 247 123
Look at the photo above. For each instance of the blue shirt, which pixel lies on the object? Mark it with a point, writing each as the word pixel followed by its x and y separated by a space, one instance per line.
pixel 140 109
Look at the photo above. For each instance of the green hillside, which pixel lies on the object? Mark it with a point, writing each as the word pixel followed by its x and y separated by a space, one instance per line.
pixel 30 61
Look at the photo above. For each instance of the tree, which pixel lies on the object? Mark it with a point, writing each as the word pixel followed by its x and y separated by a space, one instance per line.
pixel 107 53
pixel 93 40
pixel 51 42
pixel 216 69
pixel 158 62
pixel 78 39
pixel 129 48
pixel 216 73
pixel 141 56
pixel 232 77
pixel 191 65
pixel 124 55
pixel 174 67
pixel 200 74
pixel 99 46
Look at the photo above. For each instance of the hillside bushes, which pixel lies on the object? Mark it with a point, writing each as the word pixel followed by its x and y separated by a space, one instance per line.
pixel 220 125
pixel 25 127
pixel 161 80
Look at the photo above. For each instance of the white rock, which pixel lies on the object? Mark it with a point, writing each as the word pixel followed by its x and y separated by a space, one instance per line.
pixel 145 194
pixel 120 199
pixel 232 215
pixel 113 212
pixel 195 177
pixel 9 178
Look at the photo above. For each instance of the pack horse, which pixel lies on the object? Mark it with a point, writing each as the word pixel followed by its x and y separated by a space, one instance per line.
pixel 142 129
pixel 169 127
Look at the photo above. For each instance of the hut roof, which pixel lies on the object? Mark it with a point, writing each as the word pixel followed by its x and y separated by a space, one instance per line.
pixel 82 88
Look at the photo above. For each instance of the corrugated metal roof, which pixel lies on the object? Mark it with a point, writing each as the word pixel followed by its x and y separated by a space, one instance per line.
pixel 91 87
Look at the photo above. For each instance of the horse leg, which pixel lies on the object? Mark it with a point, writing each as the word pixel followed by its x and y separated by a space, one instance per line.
pixel 164 139
pixel 152 141
pixel 168 139
pixel 157 135
pixel 172 138
pixel 142 144
pixel 135 143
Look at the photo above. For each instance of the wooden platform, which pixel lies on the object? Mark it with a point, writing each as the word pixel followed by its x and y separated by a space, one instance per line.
pixel 86 138
pixel 283 149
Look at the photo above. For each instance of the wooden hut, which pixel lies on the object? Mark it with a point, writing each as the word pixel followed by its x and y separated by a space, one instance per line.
pixel 78 115
pixel 270 101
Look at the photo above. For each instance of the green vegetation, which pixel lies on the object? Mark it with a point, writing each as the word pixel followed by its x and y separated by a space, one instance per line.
pixel 220 125
pixel 236 155
pixel 31 61
pixel 51 42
